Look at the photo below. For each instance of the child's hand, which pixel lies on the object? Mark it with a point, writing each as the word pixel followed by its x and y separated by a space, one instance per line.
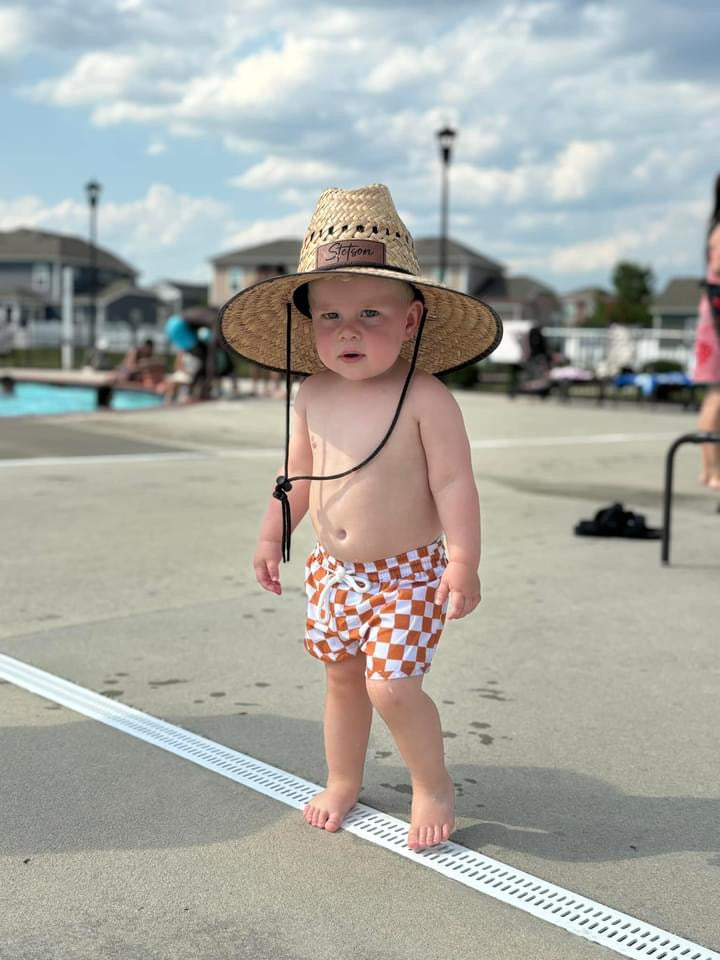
pixel 462 584
pixel 266 564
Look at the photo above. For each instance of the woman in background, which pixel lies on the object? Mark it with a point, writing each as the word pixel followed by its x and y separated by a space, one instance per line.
pixel 707 349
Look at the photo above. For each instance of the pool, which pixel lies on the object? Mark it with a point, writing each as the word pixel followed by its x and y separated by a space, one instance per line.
pixel 43 399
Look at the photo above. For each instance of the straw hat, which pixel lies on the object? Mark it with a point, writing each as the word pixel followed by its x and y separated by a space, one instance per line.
pixel 356 232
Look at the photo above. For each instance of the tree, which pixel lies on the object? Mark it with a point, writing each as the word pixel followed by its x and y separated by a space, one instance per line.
pixel 633 293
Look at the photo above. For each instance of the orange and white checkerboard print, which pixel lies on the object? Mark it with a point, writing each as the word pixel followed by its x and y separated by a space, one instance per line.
pixel 395 623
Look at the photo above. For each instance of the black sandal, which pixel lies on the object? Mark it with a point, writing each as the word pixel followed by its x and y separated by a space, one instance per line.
pixel 614 521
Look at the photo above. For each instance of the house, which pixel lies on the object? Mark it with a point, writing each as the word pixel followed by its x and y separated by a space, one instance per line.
pixel 234 271
pixel 579 305
pixel 466 270
pixel 177 295
pixel 32 264
pixel 521 298
pixel 676 308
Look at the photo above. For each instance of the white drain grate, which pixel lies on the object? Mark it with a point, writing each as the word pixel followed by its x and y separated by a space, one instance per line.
pixel 579 915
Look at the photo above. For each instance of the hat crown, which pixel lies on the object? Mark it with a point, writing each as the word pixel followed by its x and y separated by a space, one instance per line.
pixel 355 229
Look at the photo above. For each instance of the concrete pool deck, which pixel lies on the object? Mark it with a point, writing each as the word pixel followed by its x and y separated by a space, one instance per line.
pixel 579 702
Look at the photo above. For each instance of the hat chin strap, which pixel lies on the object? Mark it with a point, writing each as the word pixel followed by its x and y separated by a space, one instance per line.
pixel 283 484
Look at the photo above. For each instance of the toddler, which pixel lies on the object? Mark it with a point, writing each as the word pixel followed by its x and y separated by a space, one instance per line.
pixel 397 525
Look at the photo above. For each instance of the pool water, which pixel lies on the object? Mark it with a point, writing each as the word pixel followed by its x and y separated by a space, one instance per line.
pixel 41 398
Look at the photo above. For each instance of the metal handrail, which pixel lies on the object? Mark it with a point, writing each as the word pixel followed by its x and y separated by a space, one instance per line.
pixel 700 436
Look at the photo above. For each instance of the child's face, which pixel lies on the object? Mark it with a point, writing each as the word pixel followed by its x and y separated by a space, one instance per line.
pixel 361 323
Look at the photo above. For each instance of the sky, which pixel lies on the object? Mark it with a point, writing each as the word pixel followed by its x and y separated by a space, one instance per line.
pixel 587 131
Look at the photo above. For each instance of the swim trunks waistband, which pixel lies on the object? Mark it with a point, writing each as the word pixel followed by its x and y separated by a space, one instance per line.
pixel 402 565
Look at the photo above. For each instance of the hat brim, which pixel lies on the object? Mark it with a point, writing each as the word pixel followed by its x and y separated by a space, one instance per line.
pixel 460 329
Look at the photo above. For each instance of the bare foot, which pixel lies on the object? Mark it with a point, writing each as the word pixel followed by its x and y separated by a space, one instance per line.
pixel 713 481
pixel 433 816
pixel 327 810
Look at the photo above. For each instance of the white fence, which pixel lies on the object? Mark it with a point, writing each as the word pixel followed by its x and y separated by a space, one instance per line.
pixel 591 348
pixel 48 333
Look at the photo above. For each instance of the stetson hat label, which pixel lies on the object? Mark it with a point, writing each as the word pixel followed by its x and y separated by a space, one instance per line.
pixel 345 253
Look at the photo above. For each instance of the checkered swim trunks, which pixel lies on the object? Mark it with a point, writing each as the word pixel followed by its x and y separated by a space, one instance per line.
pixel 384 610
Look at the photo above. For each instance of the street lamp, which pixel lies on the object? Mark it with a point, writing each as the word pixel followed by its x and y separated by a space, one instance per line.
pixel 446 137
pixel 92 189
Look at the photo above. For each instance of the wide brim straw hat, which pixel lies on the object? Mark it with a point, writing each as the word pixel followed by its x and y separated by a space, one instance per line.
pixel 355 232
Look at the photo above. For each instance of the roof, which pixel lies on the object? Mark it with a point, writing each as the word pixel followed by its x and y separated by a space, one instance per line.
pixel 121 288
pixel 585 292
pixel 188 290
pixel 24 245
pixel 21 294
pixel 275 252
pixel 428 252
pixel 681 293
pixel 518 288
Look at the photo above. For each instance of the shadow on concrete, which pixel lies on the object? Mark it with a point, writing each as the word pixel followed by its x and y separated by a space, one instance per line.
pixel 91 787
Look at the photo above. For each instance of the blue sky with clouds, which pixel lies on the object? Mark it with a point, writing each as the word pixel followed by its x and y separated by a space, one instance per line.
pixel 588 132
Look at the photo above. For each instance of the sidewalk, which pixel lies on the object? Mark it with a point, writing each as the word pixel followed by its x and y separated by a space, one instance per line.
pixel 579 703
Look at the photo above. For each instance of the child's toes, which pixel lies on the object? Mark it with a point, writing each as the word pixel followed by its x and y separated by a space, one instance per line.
pixel 332 822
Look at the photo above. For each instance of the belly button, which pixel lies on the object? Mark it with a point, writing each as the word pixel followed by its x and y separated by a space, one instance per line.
pixel 341 534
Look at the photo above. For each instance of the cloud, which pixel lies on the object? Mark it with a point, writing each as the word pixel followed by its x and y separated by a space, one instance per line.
pixel 279 171
pixel 15 32
pixel 135 229
pixel 577 169
pixel 293 225
pixel 574 118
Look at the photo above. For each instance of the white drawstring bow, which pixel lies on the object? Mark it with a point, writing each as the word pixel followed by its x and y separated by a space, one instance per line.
pixel 339 575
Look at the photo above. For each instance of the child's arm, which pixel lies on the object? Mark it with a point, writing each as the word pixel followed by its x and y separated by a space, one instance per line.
pixel 268 552
pixel 452 484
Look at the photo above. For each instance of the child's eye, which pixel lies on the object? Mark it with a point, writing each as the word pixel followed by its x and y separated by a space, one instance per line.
pixel 329 316
pixel 370 313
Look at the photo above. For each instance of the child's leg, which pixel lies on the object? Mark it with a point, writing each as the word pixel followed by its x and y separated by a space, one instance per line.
pixel 348 713
pixel 415 725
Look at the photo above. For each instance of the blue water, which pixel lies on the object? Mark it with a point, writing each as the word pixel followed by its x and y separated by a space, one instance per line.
pixel 41 398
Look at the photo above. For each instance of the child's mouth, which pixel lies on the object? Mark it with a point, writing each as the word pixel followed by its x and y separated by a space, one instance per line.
pixel 351 357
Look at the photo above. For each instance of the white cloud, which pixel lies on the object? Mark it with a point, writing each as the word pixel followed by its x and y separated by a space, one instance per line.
pixel 136 229
pixel 15 32
pixel 572 119
pixel 278 171
pixel 577 168
pixel 291 225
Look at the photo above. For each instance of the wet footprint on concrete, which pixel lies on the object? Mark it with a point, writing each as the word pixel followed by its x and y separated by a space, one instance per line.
pixel 381 754
pixel 398 787
pixel 111 693
pixel 488 693
pixel 164 683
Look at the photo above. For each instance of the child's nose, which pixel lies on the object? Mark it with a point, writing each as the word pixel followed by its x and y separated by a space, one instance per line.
pixel 349 331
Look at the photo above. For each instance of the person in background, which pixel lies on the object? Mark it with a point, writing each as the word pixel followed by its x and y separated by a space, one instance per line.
pixel 707 350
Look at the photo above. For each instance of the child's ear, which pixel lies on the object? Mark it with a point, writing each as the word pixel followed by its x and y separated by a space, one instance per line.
pixel 412 320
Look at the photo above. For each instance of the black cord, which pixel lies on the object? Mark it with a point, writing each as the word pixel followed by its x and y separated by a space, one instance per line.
pixel 283 484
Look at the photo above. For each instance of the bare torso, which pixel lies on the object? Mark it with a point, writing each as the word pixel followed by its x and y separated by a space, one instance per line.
pixel 386 507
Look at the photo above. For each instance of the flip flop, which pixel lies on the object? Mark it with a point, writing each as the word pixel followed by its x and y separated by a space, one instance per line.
pixel 614 521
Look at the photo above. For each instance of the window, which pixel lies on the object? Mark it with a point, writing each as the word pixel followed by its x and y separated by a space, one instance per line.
pixel 237 279
pixel 41 277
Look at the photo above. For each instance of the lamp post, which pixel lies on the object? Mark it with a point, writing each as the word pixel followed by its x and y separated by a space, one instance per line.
pixel 446 137
pixel 92 189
